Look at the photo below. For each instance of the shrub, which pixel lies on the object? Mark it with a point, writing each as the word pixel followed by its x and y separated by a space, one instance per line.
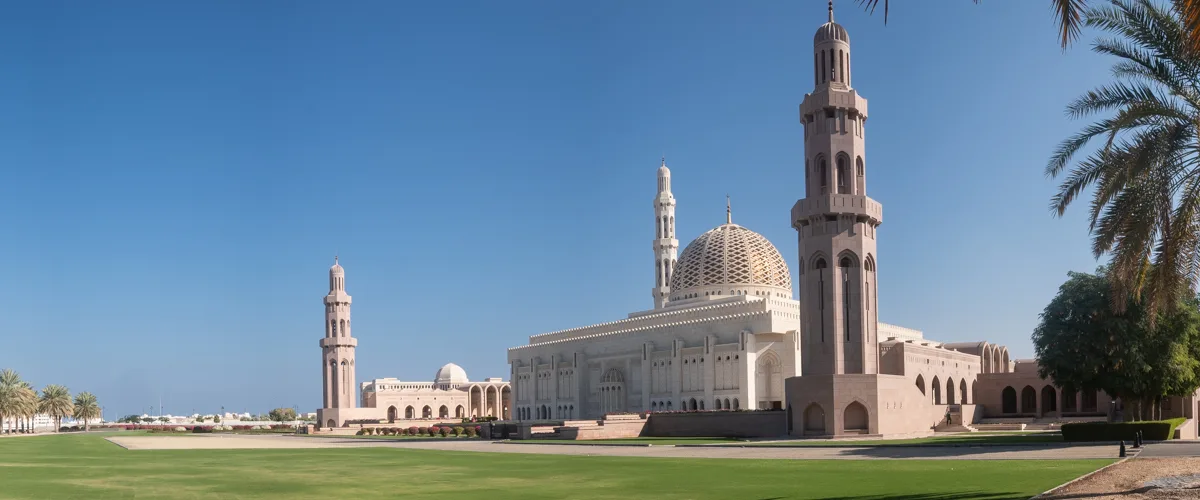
pixel 470 432
pixel 396 431
pixel 458 431
pixel 199 429
pixel 412 431
pixel 1154 430
pixel 361 432
pixel 180 429
pixel 444 431
pixel 479 430
pixel 433 432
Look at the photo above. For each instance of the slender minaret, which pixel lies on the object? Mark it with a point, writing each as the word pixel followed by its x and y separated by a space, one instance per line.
pixel 666 247
pixel 836 221
pixel 337 348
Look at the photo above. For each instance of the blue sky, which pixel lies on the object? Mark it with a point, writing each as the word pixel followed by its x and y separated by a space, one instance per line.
pixel 179 175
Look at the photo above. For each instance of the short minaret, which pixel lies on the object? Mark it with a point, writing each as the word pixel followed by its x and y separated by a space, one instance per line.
pixel 666 247
pixel 836 221
pixel 337 348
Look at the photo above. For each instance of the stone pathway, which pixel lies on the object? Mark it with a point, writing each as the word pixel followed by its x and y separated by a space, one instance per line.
pixel 231 441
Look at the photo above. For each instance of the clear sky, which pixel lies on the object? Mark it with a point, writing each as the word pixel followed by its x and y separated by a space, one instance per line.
pixel 179 175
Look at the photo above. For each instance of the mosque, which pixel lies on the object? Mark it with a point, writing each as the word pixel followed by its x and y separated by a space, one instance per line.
pixel 450 395
pixel 731 330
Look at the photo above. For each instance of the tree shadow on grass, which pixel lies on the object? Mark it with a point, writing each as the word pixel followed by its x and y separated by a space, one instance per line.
pixel 959 495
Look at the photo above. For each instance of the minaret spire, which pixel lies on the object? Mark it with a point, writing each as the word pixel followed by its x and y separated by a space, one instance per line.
pixel 728 211
pixel 831 11
pixel 666 247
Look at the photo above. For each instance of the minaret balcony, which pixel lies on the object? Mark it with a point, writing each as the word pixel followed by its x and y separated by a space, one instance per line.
pixel 838 204
pixel 339 342
pixel 827 98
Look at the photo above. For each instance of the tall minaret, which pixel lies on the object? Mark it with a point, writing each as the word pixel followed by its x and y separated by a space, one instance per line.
pixel 836 220
pixel 337 348
pixel 666 247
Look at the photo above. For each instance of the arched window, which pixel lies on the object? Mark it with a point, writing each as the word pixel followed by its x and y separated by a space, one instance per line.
pixel 921 384
pixel 843 186
pixel 816 71
pixel 820 267
pixel 823 73
pixel 333 327
pixel 962 391
pixel 735 403
pixel 342 325
pixel 845 265
pixel 841 66
pixel 859 179
pixel 950 391
pixel 937 391
pixel 824 173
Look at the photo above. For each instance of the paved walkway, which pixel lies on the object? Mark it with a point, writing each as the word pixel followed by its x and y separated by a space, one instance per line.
pixel 230 441
pixel 1171 449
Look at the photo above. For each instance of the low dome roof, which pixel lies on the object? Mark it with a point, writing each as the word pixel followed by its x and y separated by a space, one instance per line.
pixel 451 374
pixel 730 255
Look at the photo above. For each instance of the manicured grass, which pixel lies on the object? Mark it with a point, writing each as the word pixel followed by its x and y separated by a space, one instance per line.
pixel 949 440
pixel 87 466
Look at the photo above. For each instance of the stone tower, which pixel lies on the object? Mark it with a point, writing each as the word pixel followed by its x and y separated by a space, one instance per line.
pixel 337 348
pixel 666 247
pixel 835 220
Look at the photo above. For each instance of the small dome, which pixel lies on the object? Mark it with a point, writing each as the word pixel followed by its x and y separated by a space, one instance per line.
pixel 451 374
pixel 336 268
pixel 831 31
pixel 731 256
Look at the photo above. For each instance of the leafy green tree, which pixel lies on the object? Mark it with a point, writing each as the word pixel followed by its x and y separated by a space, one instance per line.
pixel 147 420
pixel 56 402
pixel 216 419
pixel 282 415
pixel 86 408
pixel 1145 206
pixel 1081 343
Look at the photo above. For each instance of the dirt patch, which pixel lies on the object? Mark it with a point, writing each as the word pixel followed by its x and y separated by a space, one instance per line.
pixel 1139 478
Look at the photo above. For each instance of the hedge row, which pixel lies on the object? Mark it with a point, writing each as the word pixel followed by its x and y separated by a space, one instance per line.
pixel 1153 430
pixel 421 431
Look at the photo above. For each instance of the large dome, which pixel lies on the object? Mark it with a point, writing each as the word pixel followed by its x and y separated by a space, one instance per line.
pixel 730 260
pixel 451 374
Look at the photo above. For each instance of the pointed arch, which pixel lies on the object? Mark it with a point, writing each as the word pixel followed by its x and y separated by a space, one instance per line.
pixel 949 390
pixel 769 378
pixel 1008 398
pixel 814 419
pixel 962 391
pixel 921 383
pixel 937 390
pixel 856 418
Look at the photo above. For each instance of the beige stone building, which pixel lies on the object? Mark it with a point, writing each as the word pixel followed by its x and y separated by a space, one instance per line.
pixel 450 395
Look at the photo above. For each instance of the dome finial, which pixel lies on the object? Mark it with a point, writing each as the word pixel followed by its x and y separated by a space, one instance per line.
pixel 664 160
pixel 831 11
pixel 728 211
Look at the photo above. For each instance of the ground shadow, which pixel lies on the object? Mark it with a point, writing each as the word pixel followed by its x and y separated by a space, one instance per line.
pixel 959 495
pixel 956 451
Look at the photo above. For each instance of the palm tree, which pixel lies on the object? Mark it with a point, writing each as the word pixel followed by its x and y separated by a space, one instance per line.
pixel 27 404
pixel 86 408
pixel 1145 210
pixel 1069 15
pixel 9 403
pixel 56 402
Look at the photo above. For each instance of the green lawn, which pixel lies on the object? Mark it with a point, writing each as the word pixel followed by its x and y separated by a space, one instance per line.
pixel 87 466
